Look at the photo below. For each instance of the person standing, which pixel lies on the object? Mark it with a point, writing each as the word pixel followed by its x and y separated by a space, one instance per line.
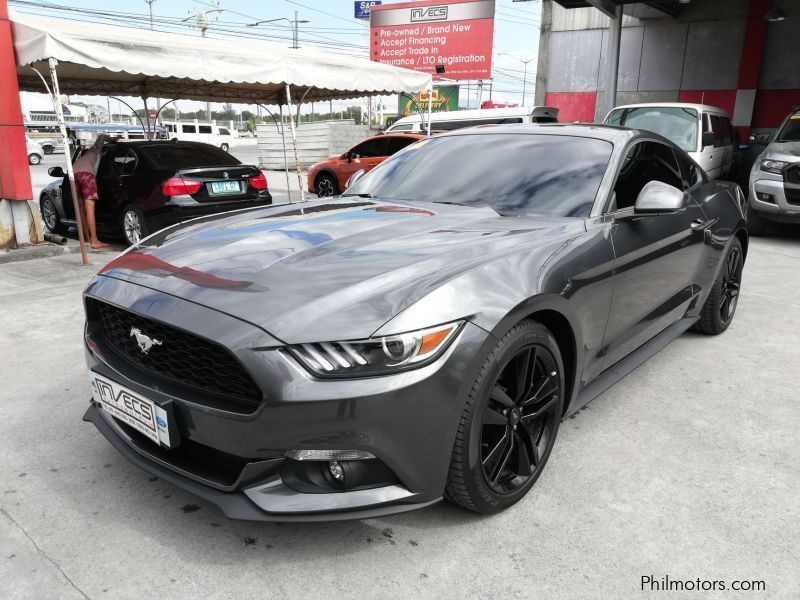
pixel 85 168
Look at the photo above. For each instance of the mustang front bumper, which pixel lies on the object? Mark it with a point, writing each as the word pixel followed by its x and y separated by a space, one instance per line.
pixel 407 421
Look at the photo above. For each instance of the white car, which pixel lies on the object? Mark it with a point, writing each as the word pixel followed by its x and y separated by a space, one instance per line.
pixel 703 131
pixel 35 152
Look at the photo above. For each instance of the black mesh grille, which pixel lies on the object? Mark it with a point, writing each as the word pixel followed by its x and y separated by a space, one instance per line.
pixel 181 356
pixel 792 174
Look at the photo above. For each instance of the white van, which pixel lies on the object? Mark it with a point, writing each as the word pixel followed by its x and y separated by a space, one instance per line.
pixel 704 131
pixel 447 121
pixel 195 131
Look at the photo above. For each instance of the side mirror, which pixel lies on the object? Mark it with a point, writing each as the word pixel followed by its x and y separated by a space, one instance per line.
pixel 761 139
pixel 708 139
pixel 56 172
pixel 658 197
pixel 355 177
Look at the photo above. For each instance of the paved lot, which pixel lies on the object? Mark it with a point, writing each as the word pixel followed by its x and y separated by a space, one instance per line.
pixel 689 468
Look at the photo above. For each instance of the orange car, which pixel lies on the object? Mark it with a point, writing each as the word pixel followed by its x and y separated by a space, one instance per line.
pixel 328 178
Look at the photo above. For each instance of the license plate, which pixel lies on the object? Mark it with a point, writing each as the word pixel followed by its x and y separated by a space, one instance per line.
pixel 133 409
pixel 225 187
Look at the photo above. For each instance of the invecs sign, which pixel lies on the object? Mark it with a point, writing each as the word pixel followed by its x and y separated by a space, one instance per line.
pixel 456 34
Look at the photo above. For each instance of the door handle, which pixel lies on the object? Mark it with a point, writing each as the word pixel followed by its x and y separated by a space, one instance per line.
pixel 700 224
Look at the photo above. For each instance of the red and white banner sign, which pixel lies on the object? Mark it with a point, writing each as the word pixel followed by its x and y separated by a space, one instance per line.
pixel 454 34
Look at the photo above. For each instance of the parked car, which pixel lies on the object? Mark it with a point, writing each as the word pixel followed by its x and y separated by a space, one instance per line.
pixel 144 186
pixel 703 131
pixel 775 179
pixel 195 131
pixel 457 119
pixel 52 145
pixel 421 336
pixel 35 151
pixel 329 177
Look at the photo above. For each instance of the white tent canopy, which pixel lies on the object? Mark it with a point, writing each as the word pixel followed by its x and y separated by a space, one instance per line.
pixel 107 60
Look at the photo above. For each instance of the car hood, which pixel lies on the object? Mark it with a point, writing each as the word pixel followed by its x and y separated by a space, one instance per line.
pixel 326 270
pixel 788 151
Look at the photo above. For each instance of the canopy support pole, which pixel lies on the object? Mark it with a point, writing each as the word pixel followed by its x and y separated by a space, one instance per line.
pixel 70 175
pixel 147 117
pixel 294 143
pixel 430 104
pixel 144 129
pixel 285 158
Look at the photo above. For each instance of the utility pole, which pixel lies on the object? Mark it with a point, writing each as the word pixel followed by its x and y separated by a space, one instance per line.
pixel 524 72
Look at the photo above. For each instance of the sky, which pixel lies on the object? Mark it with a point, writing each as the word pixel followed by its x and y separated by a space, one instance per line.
pixel 331 28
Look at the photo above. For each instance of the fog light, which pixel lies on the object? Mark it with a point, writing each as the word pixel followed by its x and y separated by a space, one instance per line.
pixel 765 197
pixel 337 472
pixel 330 455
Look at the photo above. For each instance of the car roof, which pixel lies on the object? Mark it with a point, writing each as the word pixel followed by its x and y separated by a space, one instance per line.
pixel 610 133
pixel 146 143
pixel 697 107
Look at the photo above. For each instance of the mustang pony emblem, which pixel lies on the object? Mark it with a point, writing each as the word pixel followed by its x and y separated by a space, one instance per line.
pixel 145 342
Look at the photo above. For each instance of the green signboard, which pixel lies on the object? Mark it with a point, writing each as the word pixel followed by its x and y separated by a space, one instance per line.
pixel 444 98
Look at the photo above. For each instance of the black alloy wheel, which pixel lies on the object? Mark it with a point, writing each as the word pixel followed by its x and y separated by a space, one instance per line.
pixel 520 419
pixel 720 306
pixel 510 421
pixel 731 283
pixel 326 185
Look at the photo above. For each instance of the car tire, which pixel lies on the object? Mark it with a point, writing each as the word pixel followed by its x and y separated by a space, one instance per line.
pixel 326 185
pixel 47 149
pixel 50 217
pixel 132 224
pixel 225 147
pixel 485 475
pixel 720 306
pixel 756 224
pixel 34 158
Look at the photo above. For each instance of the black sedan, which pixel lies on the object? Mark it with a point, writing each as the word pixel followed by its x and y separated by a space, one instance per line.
pixel 146 185
pixel 421 336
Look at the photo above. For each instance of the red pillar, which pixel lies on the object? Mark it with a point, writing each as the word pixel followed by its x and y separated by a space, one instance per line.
pixel 15 176
pixel 755 38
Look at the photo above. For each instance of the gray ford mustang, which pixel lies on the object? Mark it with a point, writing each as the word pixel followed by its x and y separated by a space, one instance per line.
pixel 421 336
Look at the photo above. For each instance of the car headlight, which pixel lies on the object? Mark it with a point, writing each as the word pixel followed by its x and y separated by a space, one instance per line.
pixel 376 356
pixel 773 166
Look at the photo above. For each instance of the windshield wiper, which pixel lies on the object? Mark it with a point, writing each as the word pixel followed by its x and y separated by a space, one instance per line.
pixel 361 195
pixel 449 202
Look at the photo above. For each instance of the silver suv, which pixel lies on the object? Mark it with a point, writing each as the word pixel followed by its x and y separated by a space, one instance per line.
pixel 775 179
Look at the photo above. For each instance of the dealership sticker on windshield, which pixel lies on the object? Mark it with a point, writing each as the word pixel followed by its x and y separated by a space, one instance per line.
pixel 144 415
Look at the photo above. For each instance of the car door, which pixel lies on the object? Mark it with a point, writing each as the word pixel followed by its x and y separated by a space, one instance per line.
pixel 365 155
pixel 712 156
pixel 656 257
pixel 114 183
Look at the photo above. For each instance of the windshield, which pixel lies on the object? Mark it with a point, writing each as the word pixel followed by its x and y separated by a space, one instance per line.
pixel 553 175
pixel 679 125
pixel 790 132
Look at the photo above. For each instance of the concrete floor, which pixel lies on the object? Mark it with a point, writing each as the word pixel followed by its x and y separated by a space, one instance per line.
pixel 688 468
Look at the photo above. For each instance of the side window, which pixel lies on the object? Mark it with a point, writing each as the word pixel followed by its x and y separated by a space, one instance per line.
pixel 123 162
pixel 224 131
pixel 188 129
pixel 727 137
pixel 643 163
pixel 716 127
pixel 204 128
pixel 689 172
pixel 370 148
pixel 398 143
